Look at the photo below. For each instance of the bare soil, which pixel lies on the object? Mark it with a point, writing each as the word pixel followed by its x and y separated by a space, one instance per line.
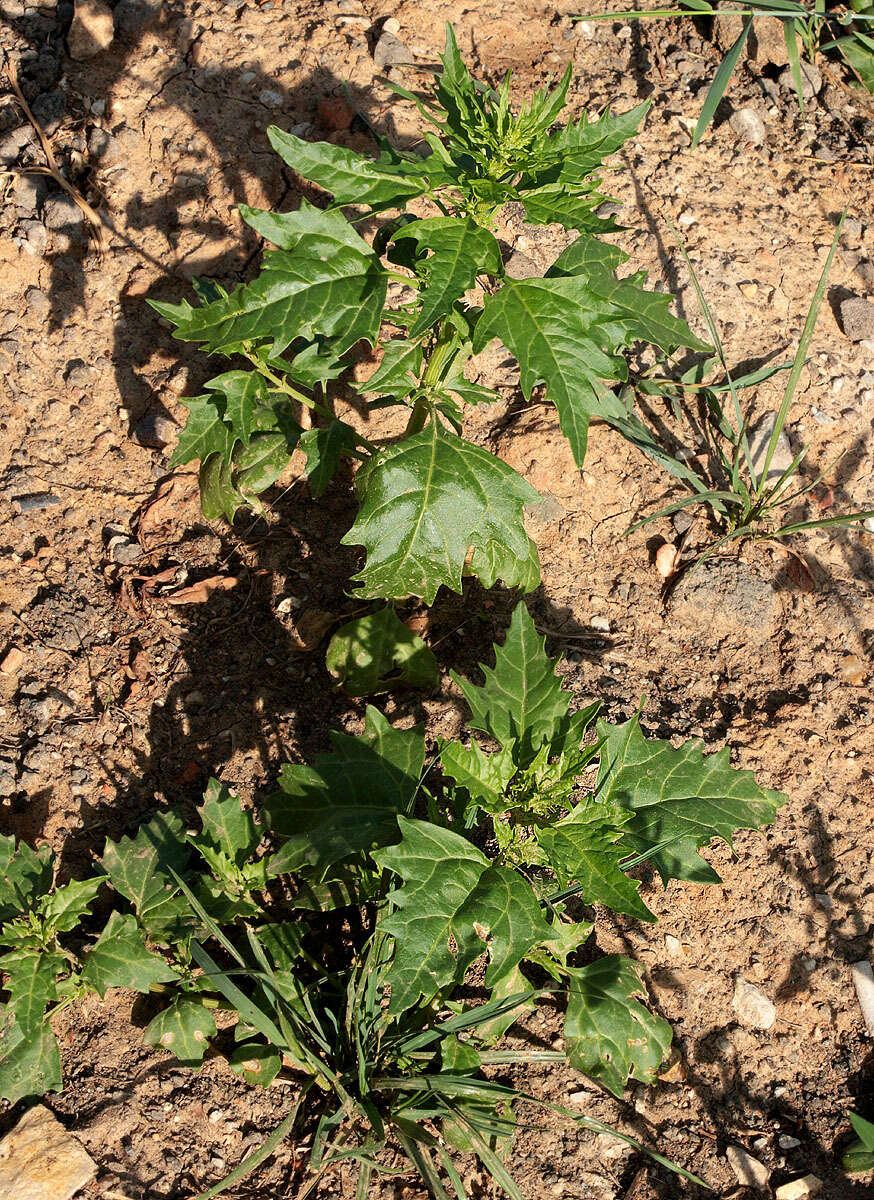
pixel 125 702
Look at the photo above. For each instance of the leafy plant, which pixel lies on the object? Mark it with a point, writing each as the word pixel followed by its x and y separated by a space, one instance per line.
pixel 805 30
pixel 334 937
pixel 735 480
pixel 430 292
pixel 859 1155
pixel 377 652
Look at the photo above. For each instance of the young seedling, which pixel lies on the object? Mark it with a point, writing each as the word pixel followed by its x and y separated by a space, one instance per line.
pixel 336 936
pixel 430 292
pixel 804 29
pixel 859 1155
pixel 735 481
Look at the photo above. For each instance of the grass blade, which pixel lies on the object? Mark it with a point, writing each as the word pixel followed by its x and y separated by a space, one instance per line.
pixel 487 1156
pixel 790 34
pixel 801 353
pixel 423 1163
pixel 720 82
pixel 824 523
pixel 698 498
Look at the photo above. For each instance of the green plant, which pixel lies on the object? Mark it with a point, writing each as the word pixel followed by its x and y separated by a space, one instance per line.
pixel 332 940
pixel 804 29
pixel 734 480
pixel 430 292
pixel 859 1155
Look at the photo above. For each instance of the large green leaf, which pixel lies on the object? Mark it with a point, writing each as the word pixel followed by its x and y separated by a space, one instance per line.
pixel 452 905
pixel 460 249
pixel 30 1064
pixel 610 1036
pixel 120 958
pixel 679 799
pixel 581 146
pixel 205 431
pixel 347 801
pixel 521 702
pixel 429 500
pixel 566 331
pixel 378 652
pixel 139 869
pixel 326 281
pixel 384 182
pixel 184 1028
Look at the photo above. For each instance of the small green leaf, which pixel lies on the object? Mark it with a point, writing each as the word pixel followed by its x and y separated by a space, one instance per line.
pixel 610 1036
pixel 184 1028
pixel 66 905
pixel 256 1063
pixel 25 876
pixel 205 432
pixel 720 81
pixel 678 799
pixel 139 869
pixel 30 1065
pixel 377 653
pixel 353 179
pixel 32 984
pixel 243 392
pixel 586 848
pixel 859 1155
pixel 429 500
pixel 484 776
pixel 522 702
pixel 460 249
pixel 399 371
pixel 324 446
pixel 228 828
pixel 120 958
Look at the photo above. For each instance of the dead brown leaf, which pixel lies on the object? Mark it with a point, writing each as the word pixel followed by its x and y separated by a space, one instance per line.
pixel 200 592
pixel 308 630
pixel 172 509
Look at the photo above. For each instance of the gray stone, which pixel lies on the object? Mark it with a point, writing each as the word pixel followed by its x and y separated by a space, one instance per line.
pixel 752 1006
pixel 123 550
pixel 49 109
pixel 811 80
pixel 748 126
pixel 28 192
pixel 36 501
pixel 91 30
pixel 78 375
pixel 759 440
pixel 270 99
pixel 155 431
pixel 11 144
pixel 39 1160
pixel 104 148
pixel 64 218
pixel 390 51
pixel 34 233
pixel 37 301
pixel 857 318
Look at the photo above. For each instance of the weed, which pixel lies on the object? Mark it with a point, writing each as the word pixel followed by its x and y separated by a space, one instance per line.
pixel 333 938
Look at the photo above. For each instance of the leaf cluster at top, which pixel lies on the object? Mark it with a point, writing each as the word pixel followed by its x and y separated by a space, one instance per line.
pixel 430 292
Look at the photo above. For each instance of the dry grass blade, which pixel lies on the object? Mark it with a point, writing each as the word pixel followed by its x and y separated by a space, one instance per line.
pixel 53 169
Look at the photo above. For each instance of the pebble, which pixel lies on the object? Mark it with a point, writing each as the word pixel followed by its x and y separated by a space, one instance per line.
pixel 155 431
pixel 28 192
pixel 760 436
pixel 104 148
pixel 91 30
pixel 811 80
pixel 36 501
pixel 270 99
pixel 13 143
pixel 50 109
pixel 65 219
pixel 35 236
pixel 666 559
pixel 39 1160
pixel 12 661
pixel 799 1189
pixel 37 301
pixel 748 126
pixel 857 318
pixel 123 550
pixel 752 1005
pixel 389 51
pixel 748 1170
pixel 863 981
pixel 785 1142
